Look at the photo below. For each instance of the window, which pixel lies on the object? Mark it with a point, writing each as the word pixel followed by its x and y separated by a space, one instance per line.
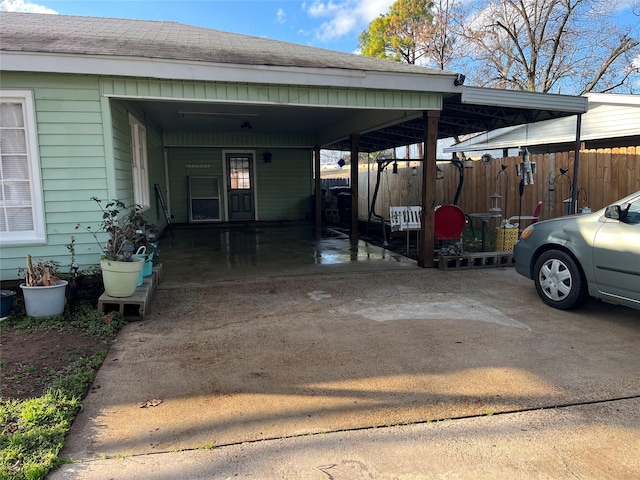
pixel 632 216
pixel 240 173
pixel 139 162
pixel 21 212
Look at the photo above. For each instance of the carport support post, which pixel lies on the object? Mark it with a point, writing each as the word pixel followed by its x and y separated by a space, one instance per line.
pixel 427 233
pixel 318 189
pixel 576 167
pixel 355 140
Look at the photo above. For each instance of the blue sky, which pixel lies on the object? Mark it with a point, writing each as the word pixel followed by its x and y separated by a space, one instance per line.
pixel 332 24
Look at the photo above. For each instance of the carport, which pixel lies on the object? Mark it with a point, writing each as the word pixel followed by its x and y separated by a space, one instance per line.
pixel 215 94
pixel 355 125
pixel 473 110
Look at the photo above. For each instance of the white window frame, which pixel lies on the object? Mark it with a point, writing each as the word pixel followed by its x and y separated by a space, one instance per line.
pixel 38 234
pixel 139 163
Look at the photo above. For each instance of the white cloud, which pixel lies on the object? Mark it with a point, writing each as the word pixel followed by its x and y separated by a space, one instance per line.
pixel 371 9
pixel 24 7
pixel 320 8
pixel 281 17
pixel 343 17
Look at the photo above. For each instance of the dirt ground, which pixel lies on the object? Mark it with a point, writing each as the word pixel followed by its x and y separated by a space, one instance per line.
pixel 31 359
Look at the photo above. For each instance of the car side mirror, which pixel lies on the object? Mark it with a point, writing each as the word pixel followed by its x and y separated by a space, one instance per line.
pixel 613 212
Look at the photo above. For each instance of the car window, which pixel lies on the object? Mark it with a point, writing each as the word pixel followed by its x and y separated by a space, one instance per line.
pixel 633 212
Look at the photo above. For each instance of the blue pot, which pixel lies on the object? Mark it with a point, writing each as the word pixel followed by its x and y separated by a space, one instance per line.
pixel 143 258
pixel 6 302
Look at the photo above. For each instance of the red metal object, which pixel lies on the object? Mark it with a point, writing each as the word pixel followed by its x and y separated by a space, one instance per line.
pixel 449 222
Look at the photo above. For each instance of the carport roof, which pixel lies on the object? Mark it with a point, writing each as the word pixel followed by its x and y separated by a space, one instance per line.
pixel 613 120
pixel 158 49
pixel 475 110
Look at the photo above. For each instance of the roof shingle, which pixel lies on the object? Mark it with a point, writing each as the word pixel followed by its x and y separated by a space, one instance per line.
pixel 61 34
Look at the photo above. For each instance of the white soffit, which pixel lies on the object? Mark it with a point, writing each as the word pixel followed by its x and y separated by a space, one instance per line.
pixel 523 100
pixel 614 117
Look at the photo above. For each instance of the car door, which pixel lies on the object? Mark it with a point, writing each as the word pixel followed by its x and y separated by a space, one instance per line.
pixel 616 255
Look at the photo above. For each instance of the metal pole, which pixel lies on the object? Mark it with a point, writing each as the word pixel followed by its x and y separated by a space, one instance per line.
pixel 355 140
pixel 576 165
pixel 318 189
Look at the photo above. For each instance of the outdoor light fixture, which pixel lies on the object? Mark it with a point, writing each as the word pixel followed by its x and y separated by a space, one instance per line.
pixel 439 173
pixel 414 171
pixel 266 156
pixel 460 78
pixel 395 167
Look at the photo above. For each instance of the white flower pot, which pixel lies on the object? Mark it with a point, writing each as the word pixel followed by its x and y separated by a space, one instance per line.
pixel 120 279
pixel 44 301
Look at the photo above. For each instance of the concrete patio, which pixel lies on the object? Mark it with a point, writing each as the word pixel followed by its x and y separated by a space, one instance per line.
pixel 307 358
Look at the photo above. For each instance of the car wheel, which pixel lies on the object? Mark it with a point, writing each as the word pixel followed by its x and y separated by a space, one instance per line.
pixel 559 281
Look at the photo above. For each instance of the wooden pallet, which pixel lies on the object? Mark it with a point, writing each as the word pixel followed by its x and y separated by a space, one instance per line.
pixel 475 260
pixel 135 305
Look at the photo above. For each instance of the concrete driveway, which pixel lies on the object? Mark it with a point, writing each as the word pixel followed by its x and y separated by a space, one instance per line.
pixel 382 371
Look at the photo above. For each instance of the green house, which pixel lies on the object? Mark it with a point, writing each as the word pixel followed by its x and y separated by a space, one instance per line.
pixel 222 127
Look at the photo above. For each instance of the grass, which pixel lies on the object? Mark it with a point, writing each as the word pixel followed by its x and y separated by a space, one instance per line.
pixel 32 431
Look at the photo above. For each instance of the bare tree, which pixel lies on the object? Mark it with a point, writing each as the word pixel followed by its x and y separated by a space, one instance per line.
pixel 444 34
pixel 563 46
pixel 568 46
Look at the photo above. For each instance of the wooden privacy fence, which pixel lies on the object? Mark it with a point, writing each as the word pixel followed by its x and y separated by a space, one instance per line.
pixel 605 175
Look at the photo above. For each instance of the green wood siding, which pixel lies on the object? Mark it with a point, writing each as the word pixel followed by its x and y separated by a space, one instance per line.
pixel 204 162
pixel 72 160
pixel 155 151
pixel 122 158
pixel 237 140
pixel 285 186
pixel 272 94
pixel 79 142
pixel 122 151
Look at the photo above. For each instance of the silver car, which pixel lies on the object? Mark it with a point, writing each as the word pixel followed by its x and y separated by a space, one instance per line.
pixel 597 254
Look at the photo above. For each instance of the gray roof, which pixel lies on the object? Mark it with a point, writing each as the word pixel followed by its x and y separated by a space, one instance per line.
pixel 58 34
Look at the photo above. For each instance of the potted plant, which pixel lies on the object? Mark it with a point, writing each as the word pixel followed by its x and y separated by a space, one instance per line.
pixel 77 277
pixel 120 268
pixel 146 245
pixel 43 289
